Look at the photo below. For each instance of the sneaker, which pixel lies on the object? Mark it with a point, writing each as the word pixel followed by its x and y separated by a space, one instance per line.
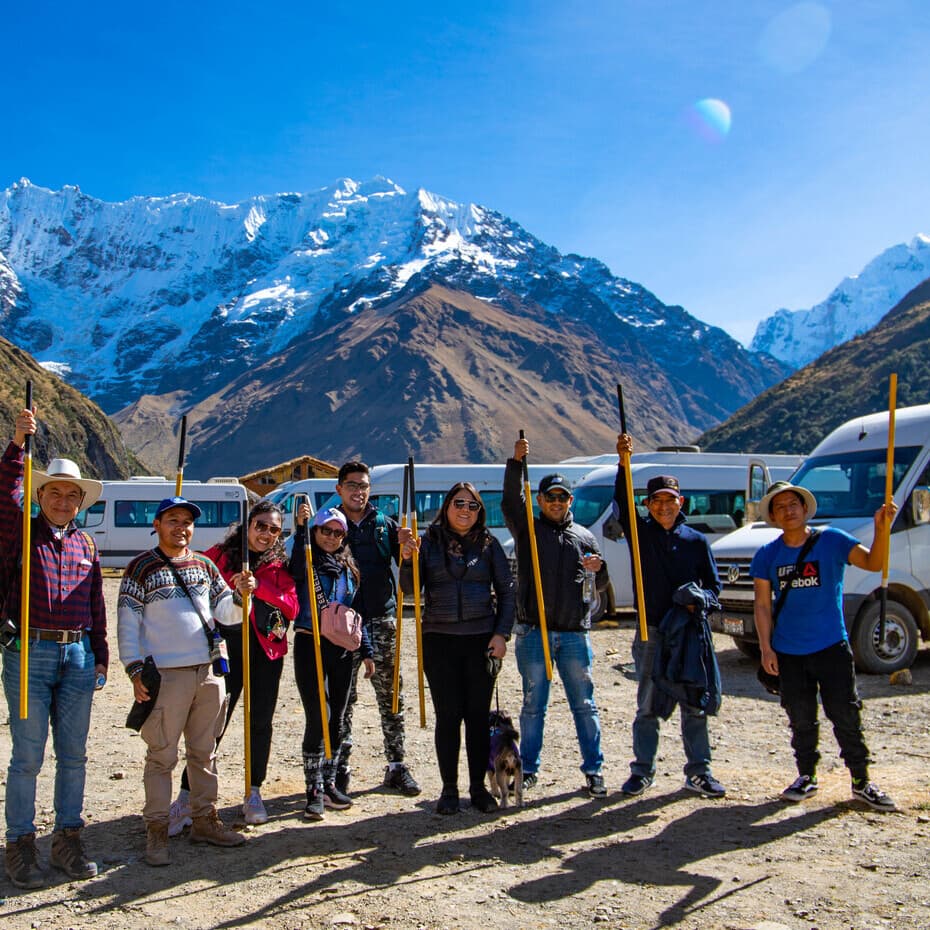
pixel 596 786
pixel 635 785
pixel 334 799
pixel 22 862
pixel 68 854
pixel 400 778
pixel 156 844
pixel 483 800
pixel 253 809
pixel 802 787
pixel 210 829
pixel 342 780
pixel 705 785
pixel 448 803
pixel 179 815
pixel 530 780
pixel 873 796
pixel 314 807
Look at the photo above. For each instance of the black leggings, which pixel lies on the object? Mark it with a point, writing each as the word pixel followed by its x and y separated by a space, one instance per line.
pixel 337 677
pixel 265 677
pixel 461 688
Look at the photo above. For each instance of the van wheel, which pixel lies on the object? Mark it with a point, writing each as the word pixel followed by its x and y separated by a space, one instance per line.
pixel 901 639
pixel 748 648
pixel 602 608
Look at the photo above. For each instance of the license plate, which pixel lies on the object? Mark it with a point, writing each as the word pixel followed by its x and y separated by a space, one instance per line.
pixel 733 627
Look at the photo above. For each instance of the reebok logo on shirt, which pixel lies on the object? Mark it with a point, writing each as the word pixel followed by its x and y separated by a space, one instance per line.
pixel 808 577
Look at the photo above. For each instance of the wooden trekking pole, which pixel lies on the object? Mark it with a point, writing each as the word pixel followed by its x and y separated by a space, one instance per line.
pixel 179 481
pixel 246 657
pixel 26 560
pixel 534 558
pixel 634 528
pixel 416 592
pixel 395 696
pixel 317 653
pixel 889 497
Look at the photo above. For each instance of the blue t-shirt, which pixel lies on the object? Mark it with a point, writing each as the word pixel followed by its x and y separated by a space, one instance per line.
pixel 811 617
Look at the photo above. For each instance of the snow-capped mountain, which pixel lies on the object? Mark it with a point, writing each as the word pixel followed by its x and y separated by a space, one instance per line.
pixel 154 295
pixel 856 304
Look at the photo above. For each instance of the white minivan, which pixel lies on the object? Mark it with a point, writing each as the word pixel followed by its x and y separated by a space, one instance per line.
pixel 120 522
pixel 712 483
pixel 846 473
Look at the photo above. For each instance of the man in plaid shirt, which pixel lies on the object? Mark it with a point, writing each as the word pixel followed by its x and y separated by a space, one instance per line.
pixel 67 654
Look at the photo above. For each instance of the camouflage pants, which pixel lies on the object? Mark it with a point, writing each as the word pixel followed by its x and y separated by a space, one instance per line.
pixel 382 631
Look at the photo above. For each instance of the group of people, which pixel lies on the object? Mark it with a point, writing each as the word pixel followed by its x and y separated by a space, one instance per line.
pixel 180 641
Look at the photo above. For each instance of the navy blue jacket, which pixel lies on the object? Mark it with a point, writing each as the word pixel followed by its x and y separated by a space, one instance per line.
pixel 685 669
pixel 669 558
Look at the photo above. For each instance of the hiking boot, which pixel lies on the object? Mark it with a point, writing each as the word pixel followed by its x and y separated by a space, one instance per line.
pixel 179 815
pixel 334 799
pixel 873 796
pixel 483 800
pixel 314 807
pixel 22 862
pixel 530 780
pixel 342 780
pixel 448 803
pixel 635 785
pixel 68 854
pixel 802 787
pixel 596 786
pixel 400 778
pixel 210 829
pixel 705 785
pixel 156 843
pixel 253 808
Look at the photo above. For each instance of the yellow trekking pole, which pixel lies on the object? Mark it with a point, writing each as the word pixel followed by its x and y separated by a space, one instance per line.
pixel 26 559
pixel 634 529
pixel 179 481
pixel 534 556
pixel 889 497
pixel 416 593
pixel 395 698
pixel 317 654
pixel 246 657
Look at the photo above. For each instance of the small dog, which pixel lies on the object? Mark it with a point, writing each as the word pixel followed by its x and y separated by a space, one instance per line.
pixel 504 765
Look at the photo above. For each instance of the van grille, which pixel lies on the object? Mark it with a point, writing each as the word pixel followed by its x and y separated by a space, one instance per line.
pixel 736 587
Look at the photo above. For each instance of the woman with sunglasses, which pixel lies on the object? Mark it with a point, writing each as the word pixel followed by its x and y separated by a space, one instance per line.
pixel 274 606
pixel 337 579
pixel 468 616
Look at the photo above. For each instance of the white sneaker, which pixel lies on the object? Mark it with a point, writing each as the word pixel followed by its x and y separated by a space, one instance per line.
pixel 253 808
pixel 179 815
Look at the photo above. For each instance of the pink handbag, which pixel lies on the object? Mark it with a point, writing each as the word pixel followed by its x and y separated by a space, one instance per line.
pixel 341 625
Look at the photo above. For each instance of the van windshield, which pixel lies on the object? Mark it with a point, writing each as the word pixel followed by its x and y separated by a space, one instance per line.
pixel 852 484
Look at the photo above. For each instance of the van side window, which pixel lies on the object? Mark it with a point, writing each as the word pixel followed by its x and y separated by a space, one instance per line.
pixel 93 516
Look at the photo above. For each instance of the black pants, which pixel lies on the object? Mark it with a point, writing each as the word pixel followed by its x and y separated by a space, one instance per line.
pixel 265 678
pixel 461 688
pixel 830 671
pixel 337 676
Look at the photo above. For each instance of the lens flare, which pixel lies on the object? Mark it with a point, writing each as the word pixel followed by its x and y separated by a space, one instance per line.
pixel 711 119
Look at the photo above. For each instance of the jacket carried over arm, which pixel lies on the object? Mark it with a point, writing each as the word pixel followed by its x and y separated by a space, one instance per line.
pixel 561 547
pixel 669 558
pixel 66 586
pixel 474 595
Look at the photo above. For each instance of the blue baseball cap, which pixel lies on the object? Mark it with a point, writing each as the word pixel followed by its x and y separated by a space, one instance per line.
pixel 170 502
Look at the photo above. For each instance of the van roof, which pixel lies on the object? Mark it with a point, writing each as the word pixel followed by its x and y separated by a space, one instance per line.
pixel 912 427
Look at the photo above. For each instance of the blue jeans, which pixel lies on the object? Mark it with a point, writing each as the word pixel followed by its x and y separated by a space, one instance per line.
pixel 571 655
pixel 61 691
pixel 694 735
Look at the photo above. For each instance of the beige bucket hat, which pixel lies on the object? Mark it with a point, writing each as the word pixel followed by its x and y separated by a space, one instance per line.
pixel 66 470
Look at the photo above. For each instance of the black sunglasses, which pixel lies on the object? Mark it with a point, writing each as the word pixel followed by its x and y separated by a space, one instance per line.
pixel 460 504
pixel 338 532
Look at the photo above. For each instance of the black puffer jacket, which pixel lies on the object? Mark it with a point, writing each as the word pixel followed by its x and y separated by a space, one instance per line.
pixel 472 596
pixel 561 547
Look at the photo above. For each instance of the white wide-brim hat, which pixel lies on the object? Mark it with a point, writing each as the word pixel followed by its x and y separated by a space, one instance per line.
pixel 779 488
pixel 66 470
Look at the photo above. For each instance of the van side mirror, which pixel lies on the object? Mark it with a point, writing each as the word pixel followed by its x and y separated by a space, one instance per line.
pixel 753 513
pixel 613 529
pixel 920 505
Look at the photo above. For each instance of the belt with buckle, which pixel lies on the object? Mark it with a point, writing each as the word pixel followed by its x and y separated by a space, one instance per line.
pixel 56 636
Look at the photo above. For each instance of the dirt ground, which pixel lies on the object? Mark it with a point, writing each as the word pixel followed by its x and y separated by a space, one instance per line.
pixel 667 859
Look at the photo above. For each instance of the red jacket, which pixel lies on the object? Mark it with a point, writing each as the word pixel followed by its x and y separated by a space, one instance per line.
pixel 275 587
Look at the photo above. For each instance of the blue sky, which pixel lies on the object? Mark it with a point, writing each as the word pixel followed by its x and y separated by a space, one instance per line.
pixel 574 118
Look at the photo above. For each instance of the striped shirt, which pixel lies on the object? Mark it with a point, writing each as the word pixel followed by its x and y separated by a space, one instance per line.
pixel 66 587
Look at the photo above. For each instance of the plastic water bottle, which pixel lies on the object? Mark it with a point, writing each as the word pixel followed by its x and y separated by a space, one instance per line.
pixel 588 587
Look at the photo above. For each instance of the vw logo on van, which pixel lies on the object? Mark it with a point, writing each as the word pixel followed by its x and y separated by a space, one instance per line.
pixel 733 574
